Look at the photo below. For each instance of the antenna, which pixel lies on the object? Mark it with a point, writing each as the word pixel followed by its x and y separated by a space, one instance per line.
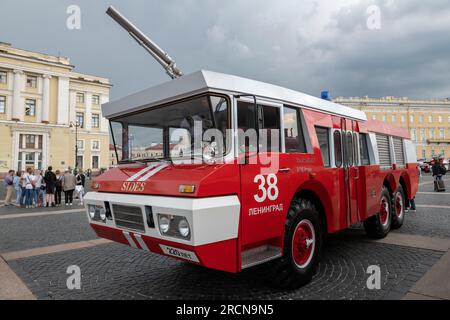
pixel 151 47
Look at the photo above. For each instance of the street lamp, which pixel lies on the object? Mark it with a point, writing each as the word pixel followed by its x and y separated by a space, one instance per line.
pixel 75 125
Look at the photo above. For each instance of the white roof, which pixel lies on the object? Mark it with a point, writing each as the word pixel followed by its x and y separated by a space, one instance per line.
pixel 204 81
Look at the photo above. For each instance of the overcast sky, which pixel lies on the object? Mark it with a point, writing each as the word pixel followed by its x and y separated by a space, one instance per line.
pixel 304 45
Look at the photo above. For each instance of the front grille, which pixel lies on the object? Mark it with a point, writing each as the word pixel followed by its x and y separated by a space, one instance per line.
pixel 129 217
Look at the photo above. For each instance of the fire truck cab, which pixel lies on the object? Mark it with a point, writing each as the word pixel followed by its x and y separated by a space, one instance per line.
pixel 290 169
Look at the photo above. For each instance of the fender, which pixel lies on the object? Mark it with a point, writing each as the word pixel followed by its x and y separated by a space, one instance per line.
pixel 321 193
pixel 393 185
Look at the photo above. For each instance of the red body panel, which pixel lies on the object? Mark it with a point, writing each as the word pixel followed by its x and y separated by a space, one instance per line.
pixel 209 180
pixel 220 255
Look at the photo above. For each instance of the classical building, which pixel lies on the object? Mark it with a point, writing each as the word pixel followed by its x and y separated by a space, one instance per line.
pixel 41 100
pixel 428 121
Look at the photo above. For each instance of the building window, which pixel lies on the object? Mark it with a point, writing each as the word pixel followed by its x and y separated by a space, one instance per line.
pixel 431 133
pixel 30 107
pixel 374 117
pixel 421 119
pixel 430 119
pixel 394 119
pixel 31 81
pixel 80 119
pixel 442 133
pixel 411 119
pixel 80 162
pixel 424 154
pixel 95 145
pixel 95 99
pixel 95 162
pixel 403 119
pixel 384 118
pixel 440 119
pixel 95 121
pixel 423 136
pixel 433 153
pixel 413 134
pixel 3 77
pixel 80 144
pixel 443 153
pixel 80 97
pixel 2 104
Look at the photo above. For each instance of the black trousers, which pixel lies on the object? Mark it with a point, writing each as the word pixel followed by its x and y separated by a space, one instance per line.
pixel 68 196
pixel 58 192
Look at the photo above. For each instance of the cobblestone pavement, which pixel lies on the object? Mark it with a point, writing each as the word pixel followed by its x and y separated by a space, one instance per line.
pixel 114 271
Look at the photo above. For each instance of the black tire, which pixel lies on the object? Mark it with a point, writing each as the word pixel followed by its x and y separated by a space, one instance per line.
pixel 378 226
pixel 398 208
pixel 286 272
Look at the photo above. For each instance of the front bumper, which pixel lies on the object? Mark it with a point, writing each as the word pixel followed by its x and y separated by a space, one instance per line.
pixel 214 226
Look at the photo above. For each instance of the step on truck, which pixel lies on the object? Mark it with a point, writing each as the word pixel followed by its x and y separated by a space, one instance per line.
pixel 229 173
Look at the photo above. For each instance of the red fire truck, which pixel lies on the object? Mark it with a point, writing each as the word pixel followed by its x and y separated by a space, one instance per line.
pixel 329 168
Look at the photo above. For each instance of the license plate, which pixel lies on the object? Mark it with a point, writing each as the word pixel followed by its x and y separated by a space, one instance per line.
pixel 179 253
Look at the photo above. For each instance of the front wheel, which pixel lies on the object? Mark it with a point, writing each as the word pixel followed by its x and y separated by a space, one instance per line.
pixel 302 247
pixel 379 225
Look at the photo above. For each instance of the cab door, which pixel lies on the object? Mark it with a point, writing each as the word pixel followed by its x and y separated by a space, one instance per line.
pixel 265 173
pixel 351 171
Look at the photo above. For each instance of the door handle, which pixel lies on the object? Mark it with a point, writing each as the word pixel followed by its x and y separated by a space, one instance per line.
pixel 285 170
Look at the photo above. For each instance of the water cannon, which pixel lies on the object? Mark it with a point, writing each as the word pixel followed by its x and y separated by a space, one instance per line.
pixel 150 46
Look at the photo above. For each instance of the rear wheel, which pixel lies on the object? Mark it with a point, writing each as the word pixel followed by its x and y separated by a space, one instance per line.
pixel 379 225
pixel 302 247
pixel 399 205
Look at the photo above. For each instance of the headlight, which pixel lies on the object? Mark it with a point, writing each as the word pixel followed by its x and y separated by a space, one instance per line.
pixel 102 214
pixel 97 213
pixel 183 227
pixel 164 223
pixel 91 210
pixel 174 226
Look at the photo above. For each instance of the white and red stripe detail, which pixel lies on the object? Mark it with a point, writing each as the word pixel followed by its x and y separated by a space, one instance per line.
pixel 148 172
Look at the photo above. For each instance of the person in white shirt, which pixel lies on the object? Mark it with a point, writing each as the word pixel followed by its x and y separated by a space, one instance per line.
pixel 28 183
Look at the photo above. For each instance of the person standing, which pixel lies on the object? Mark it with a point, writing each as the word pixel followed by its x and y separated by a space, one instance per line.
pixel 29 187
pixel 81 180
pixel 50 186
pixel 38 185
pixel 69 187
pixel 17 182
pixel 58 188
pixel 9 184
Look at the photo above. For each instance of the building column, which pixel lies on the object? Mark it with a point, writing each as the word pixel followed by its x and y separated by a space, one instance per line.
pixel 8 110
pixel 88 115
pixel 45 118
pixel 63 101
pixel 18 108
pixel 104 127
pixel 72 106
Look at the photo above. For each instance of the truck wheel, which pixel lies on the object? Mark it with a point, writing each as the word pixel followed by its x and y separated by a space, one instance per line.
pixel 302 247
pixel 399 204
pixel 379 225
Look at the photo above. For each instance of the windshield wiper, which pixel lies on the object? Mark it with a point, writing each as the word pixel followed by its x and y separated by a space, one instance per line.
pixel 144 161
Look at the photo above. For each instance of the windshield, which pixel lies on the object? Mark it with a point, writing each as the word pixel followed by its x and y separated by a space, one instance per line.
pixel 178 131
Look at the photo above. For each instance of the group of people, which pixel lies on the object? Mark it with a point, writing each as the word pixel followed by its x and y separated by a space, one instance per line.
pixel 32 188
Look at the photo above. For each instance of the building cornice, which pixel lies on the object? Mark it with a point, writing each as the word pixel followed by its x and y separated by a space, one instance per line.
pixel 36 60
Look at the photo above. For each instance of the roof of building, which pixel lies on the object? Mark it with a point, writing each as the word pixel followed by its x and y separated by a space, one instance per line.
pixel 203 81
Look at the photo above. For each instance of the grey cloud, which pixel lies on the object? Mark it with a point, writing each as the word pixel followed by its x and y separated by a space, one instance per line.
pixel 304 45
